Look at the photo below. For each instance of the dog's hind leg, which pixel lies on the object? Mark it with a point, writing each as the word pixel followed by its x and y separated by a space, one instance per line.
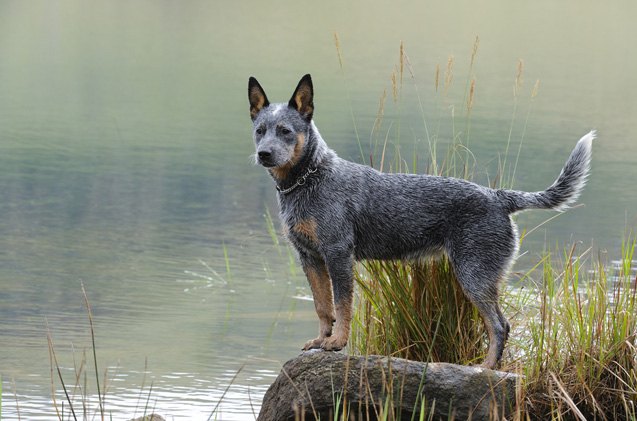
pixel 480 284
pixel 498 330
pixel 321 285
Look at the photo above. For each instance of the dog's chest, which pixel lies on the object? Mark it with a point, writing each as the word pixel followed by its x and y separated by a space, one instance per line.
pixel 301 228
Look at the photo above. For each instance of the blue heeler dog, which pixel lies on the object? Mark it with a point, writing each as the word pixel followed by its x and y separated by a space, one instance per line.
pixel 335 211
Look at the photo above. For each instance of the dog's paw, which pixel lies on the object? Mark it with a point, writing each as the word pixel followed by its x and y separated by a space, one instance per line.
pixel 334 343
pixel 313 344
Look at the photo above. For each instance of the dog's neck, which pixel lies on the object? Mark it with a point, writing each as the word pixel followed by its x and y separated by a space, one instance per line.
pixel 315 152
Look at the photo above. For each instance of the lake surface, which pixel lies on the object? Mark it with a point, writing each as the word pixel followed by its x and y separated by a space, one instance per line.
pixel 125 167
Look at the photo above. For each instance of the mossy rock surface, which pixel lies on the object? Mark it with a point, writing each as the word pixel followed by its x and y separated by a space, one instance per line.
pixel 313 384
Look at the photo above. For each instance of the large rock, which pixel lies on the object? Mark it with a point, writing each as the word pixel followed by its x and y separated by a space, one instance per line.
pixel 315 383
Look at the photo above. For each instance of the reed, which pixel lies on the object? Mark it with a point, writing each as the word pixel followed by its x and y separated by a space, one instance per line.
pixel 580 358
pixel 573 329
pixel 574 320
pixel 337 44
pixel 76 393
pixel 403 314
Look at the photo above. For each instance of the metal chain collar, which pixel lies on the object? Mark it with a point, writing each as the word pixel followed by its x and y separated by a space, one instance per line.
pixel 299 182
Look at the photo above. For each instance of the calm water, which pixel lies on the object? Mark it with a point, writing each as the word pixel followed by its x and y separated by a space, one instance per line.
pixel 125 165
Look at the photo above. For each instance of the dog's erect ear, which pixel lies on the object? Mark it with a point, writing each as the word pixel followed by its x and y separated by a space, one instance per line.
pixel 257 97
pixel 303 98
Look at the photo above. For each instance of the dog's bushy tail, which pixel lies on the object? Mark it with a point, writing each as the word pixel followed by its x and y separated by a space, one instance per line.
pixel 565 190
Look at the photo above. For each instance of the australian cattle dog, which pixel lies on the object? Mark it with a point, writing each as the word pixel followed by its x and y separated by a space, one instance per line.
pixel 335 212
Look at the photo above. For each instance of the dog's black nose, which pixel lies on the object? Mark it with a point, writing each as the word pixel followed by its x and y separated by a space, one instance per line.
pixel 264 155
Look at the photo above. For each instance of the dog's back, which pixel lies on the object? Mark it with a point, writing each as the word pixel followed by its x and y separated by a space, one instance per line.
pixel 396 216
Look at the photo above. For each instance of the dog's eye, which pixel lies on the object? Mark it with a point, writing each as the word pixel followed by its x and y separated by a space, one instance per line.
pixel 284 131
pixel 260 130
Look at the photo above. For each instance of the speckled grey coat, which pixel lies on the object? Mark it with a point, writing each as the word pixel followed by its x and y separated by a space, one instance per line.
pixel 335 211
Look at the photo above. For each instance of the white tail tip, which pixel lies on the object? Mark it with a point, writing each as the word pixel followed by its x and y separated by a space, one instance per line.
pixel 589 137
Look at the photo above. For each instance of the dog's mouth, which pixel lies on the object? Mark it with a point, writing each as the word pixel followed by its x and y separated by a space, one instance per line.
pixel 268 160
pixel 266 163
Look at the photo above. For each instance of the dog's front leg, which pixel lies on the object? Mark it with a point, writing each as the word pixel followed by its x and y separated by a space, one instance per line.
pixel 340 267
pixel 321 285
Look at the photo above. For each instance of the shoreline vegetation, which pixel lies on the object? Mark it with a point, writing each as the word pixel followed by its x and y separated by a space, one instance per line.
pixel 573 314
pixel 572 339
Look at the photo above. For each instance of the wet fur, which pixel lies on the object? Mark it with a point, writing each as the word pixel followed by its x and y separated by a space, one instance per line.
pixel 345 212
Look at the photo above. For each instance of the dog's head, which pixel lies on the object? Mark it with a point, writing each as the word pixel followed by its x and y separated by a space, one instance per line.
pixel 279 130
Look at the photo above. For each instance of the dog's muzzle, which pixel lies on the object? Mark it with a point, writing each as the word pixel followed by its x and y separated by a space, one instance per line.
pixel 265 159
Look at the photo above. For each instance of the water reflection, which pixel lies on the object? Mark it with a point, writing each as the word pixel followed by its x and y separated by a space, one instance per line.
pixel 197 401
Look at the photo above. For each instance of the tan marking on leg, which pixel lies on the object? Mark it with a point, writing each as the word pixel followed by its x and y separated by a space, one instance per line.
pixel 340 336
pixel 323 303
pixel 307 228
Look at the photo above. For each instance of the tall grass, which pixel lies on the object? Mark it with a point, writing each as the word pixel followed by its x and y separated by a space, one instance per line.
pixel 402 313
pixel 573 329
pixel 580 357
pixel 574 319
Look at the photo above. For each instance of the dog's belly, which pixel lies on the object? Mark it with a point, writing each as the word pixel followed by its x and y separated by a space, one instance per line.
pixel 406 242
pixel 387 254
